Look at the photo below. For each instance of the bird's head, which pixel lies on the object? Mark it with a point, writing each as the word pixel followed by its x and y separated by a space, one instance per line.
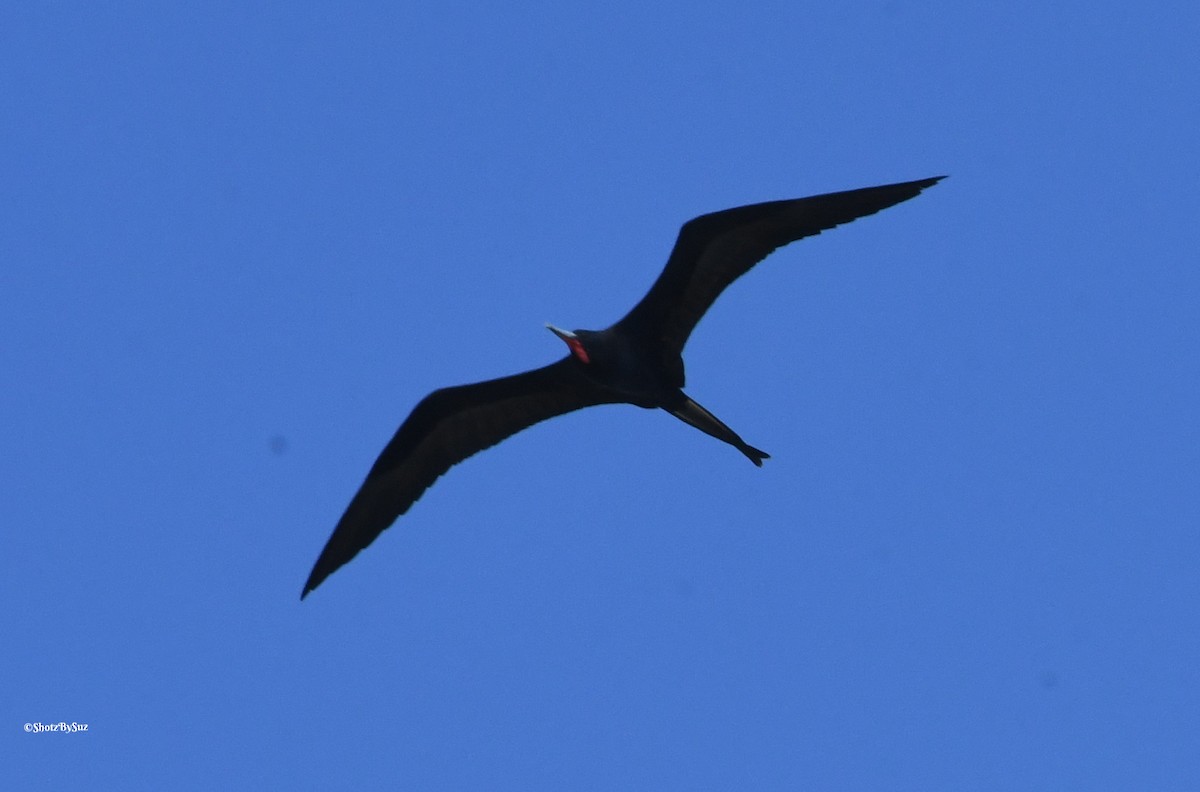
pixel 573 342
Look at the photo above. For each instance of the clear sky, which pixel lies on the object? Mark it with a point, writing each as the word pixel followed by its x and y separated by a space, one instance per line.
pixel 239 241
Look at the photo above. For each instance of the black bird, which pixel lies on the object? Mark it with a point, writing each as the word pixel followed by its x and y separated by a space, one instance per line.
pixel 636 361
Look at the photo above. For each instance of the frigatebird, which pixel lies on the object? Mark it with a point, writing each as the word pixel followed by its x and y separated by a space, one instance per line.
pixel 637 361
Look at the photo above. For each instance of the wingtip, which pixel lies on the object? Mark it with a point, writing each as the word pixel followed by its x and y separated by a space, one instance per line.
pixel 309 586
pixel 922 184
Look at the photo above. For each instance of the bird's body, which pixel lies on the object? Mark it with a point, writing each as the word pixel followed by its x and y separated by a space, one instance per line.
pixel 636 361
pixel 645 375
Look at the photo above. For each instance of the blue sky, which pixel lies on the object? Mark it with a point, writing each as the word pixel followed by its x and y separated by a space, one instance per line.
pixel 240 241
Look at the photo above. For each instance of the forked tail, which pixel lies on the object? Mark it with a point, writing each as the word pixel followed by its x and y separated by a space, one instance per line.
pixel 692 413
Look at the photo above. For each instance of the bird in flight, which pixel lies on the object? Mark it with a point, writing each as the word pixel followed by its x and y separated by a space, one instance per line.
pixel 637 361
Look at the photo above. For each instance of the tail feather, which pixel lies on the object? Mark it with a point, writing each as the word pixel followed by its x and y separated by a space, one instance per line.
pixel 692 413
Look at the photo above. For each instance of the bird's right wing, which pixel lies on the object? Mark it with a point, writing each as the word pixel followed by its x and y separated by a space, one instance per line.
pixel 714 250
pixel 445 428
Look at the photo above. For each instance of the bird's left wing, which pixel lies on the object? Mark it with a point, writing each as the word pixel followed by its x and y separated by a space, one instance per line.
pixel 714 250
pixel 445 428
